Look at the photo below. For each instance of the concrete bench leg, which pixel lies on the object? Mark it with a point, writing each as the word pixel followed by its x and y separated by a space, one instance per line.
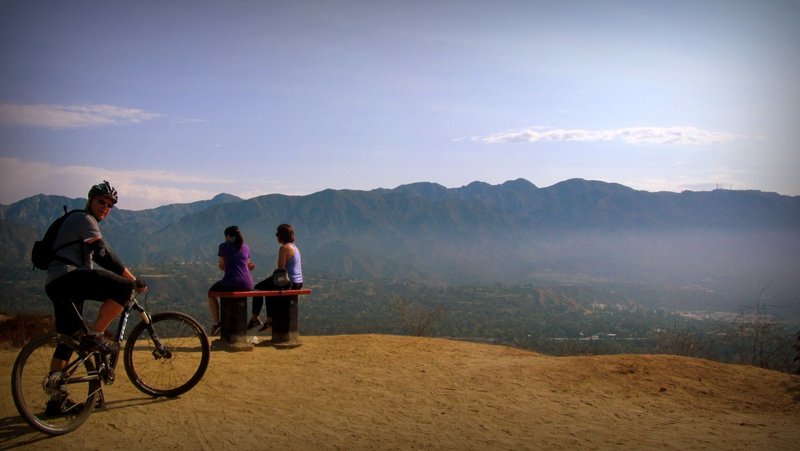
pixel 285 322
pixel 233 324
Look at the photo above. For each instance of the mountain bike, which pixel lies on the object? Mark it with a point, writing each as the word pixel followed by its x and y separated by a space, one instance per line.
pixel 166 354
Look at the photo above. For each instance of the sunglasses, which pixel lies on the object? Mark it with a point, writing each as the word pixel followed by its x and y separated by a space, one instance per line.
pixel 104 203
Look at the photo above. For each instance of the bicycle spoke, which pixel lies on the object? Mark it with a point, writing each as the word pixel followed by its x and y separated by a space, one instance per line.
pixel 170 360
pixel 68 392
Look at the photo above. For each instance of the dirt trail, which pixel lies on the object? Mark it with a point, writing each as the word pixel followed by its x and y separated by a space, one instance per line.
pixel 390 392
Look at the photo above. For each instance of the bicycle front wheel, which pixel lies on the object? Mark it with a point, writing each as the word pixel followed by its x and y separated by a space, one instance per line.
pixel 167 357
pixel 59 403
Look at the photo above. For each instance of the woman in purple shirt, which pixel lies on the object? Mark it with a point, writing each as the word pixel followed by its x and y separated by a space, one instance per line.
pixel 234 259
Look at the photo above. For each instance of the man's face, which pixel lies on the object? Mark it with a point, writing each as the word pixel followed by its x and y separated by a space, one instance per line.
pixel 100 206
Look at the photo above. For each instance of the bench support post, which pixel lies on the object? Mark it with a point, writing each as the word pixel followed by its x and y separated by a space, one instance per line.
pixel 285 322
pixel 233 324
pixel 282 308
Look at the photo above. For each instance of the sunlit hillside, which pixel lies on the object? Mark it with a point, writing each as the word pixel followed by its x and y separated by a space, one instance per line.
pixel 391 392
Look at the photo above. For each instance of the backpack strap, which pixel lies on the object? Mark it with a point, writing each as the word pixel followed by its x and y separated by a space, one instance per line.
pixel 64 259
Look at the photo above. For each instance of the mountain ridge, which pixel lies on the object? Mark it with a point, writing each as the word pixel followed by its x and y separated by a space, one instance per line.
pixel 477 233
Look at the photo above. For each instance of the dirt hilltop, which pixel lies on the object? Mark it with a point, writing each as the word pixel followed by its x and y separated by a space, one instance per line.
pixel 391 392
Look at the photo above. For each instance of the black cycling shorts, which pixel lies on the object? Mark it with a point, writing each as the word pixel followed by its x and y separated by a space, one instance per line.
pixel 77 286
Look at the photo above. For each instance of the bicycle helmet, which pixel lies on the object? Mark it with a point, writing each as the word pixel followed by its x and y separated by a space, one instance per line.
pixel 104 189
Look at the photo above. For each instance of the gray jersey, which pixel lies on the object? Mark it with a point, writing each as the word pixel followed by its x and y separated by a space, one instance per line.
pixel 77 226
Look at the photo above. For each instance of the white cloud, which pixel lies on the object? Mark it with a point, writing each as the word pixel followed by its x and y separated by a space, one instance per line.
pixel 632 135
pixel 138 189
pixel 71 116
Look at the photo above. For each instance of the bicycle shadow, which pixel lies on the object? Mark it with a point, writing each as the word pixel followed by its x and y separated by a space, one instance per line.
pixel 15 432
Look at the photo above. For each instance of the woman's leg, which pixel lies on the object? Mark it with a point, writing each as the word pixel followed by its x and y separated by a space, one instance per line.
pixel 258 301
pixel 275 300
pixel 265 285
pixel 213 303
pixel 213 307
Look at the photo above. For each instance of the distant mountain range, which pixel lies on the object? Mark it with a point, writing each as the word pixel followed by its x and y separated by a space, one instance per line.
pixel 571 232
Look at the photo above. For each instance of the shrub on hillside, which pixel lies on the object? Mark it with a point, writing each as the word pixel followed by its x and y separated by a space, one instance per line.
pixel 17 330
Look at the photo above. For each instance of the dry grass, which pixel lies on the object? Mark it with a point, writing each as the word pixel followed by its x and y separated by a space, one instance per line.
pixel 17 330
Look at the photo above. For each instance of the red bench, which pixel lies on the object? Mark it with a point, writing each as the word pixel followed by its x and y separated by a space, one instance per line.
pixel 234 316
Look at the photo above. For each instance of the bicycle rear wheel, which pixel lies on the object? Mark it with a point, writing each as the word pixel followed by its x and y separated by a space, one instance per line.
pixel 76 388
pixel 167 357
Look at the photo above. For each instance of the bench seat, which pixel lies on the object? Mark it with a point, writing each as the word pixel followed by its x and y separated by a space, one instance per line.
pixel 251 293
pixel 234 315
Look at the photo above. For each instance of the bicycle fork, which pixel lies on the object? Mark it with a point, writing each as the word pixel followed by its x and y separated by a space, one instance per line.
pixel 159 350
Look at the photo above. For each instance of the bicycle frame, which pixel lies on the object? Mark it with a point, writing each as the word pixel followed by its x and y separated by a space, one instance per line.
pixel 106 364
pixel 179 337
pixel 109 361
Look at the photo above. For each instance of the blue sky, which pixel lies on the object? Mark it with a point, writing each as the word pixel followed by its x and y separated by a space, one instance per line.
pixel 178 101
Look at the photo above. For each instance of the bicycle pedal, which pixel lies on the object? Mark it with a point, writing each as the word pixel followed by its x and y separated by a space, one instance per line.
pixel 100 403
pixel 109 376
pixel 99 343
pixel 107 373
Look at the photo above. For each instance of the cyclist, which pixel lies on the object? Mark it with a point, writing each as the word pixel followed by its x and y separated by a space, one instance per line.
pixel 75 276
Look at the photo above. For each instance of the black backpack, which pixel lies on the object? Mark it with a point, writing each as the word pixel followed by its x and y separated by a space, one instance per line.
pixel 43 252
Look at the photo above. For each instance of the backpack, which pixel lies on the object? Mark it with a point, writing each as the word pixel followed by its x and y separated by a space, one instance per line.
pixel 280 278
pixel 43 252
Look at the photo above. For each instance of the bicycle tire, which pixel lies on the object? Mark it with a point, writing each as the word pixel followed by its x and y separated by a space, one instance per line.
pixel 31 388
pixel 178 365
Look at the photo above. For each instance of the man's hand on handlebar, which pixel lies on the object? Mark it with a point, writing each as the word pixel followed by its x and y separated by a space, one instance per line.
pixel 140 286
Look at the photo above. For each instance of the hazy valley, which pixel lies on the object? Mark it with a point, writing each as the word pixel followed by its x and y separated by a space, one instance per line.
pixel 511 263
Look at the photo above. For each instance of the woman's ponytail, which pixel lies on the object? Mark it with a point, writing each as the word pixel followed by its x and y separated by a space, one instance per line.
pixel 237 234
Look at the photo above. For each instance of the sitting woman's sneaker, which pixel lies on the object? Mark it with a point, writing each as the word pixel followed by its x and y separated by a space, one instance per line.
pixel 214 330
pixel 253 323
